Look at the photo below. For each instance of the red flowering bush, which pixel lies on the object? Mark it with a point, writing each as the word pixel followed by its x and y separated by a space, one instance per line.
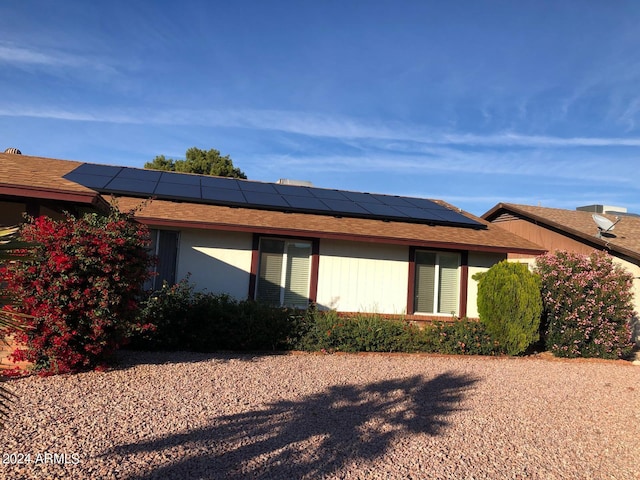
pixel 588 305
pixel 81 285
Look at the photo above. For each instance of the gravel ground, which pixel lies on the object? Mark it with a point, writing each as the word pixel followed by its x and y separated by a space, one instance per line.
pixel 182 415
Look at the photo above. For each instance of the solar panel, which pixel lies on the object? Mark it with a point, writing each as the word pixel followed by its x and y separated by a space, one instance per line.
pixel 453 217
pixel 420 214
pixel 91 169
pixel 295 190
pixel 89 181
pixel 234 192
pixel 265 199
pixel 361 197
pixel 339 207
pixel 325 193
pixel 383 210
pixel 180 178
pixel 256 187
pixel 138 174
pixel 126 185
pixel 177 190
pixel 305 203
pixel 219 182
pixel 425 203
pixel 223 195
pixel 392 200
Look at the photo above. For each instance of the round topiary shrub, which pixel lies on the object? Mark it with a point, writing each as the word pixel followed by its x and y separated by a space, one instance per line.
pixel 588 303
pixel 510 305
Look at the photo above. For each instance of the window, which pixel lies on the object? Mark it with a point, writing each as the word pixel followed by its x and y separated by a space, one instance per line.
pixel 164 245
pixel 437 283
pixel 284 272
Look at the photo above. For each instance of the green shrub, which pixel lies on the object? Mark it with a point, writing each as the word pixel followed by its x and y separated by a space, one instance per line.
pixel 168 311
pixel 461 337
pixel 220 322
pixel 509 305
pixel 588 305
pixel 361 333
pixel 371 333
pixel 184 319
pixel 190 320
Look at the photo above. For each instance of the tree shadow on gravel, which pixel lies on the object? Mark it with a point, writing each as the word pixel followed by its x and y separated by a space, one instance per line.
pixel 308 438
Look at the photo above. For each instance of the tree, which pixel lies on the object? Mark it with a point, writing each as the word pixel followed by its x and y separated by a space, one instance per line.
pixel 510 304
pixel 200 162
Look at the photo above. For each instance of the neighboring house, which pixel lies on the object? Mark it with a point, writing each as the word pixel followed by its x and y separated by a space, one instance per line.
pixel 575 231
pixel 283 244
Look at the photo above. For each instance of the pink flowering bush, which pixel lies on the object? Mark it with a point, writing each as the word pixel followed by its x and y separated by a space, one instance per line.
pixel 588 305
pixel 80 286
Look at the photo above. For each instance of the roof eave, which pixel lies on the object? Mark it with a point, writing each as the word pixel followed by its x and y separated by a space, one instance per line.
pixel 334 236
pixel 492 213
pixel 89 198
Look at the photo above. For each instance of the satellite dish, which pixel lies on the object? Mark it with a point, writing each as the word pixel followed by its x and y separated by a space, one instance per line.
pixel 604 224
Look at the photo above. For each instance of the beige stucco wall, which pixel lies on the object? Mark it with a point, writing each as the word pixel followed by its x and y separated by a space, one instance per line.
pixel 478 262
pixel 219 262
pixel 635 271
pixel 363 277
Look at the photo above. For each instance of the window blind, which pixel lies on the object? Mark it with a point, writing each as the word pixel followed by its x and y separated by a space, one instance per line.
pixel 284 272
pixel 270 274
pixel 425 282
pixel 448 284
pixel 296 291
pixel 436 282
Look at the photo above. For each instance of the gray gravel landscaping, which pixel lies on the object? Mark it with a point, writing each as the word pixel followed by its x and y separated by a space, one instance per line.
pixel 301 416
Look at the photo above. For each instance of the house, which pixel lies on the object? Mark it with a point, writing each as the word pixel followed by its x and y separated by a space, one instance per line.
pixel 582 230
pixel 284 244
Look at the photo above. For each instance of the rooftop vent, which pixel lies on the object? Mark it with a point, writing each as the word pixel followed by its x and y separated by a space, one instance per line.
pixel 13 150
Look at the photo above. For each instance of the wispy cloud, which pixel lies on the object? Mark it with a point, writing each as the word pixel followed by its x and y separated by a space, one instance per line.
pixel 315 125
pixel 631 113
pixel 484 178
pixel 13 55
pixel 465 162
pixel 611 84
pixel 61 114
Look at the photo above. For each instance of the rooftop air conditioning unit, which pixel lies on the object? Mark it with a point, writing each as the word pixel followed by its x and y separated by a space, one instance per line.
pixel 602 209
pixel 298 183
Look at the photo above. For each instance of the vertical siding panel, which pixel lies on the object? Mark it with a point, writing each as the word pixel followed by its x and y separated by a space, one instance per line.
pixel 363 277
pixel 216 261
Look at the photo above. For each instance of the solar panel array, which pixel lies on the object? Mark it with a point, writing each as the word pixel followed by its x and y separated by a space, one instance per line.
pixel 269 196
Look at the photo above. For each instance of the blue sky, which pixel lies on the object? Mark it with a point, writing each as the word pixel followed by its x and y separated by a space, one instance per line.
pixel 475 103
